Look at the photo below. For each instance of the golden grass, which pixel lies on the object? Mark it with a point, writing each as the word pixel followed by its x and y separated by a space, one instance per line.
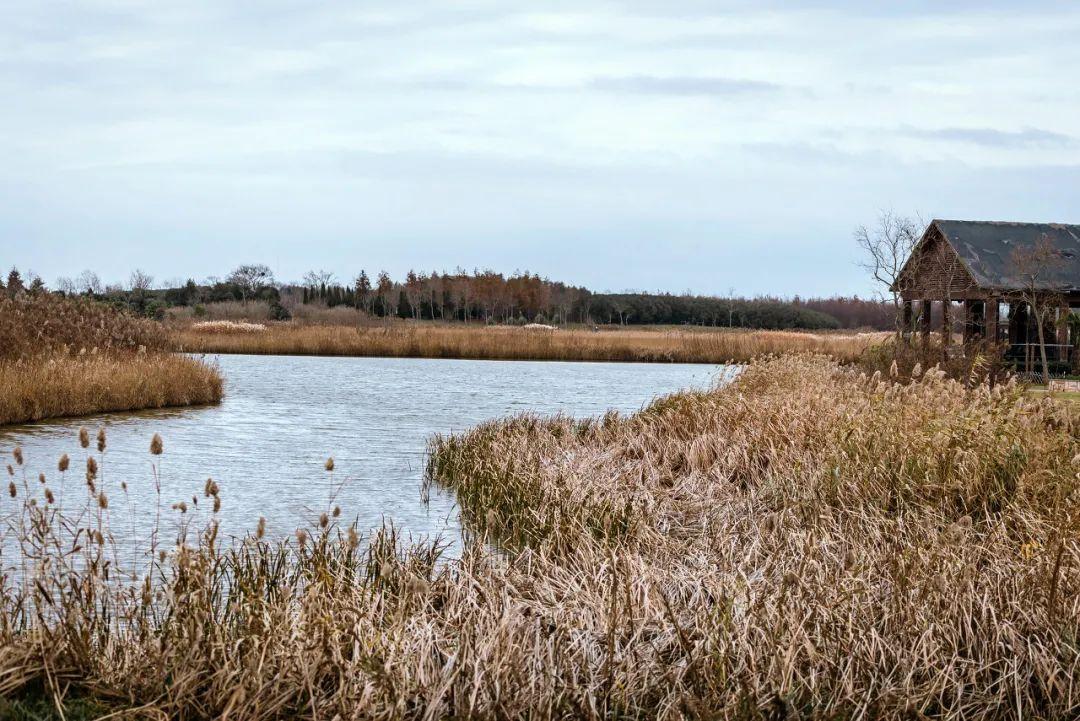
pixel 509 343
pixel 45 323
pixel 58 385
pixel 71 357
pixel 808 542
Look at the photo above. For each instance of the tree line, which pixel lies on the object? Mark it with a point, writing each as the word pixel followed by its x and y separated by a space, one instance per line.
pixel 490 297
pixel 480 296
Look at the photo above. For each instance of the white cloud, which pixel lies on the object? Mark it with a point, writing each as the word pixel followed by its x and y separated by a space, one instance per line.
pixel 312 133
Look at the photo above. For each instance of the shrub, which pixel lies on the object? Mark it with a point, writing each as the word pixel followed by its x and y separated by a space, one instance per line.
pixel 279 312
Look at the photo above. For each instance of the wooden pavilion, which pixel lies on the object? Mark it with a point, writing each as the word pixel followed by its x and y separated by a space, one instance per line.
pixel 974 267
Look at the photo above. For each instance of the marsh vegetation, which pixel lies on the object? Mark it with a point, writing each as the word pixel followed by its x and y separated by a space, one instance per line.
pixel 431 340
pixel 806 541
pixel 71 357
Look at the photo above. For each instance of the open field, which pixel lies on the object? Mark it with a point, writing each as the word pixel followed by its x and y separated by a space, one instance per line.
pixel 807 542
pixel 664 345
pixel 61 357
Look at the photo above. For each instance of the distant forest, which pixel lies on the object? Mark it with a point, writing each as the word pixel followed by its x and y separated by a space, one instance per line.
pixel 481 296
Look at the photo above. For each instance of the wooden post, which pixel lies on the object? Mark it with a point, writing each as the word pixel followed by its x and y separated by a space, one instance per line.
pixel 969 321
pixel 907 325
pixel 925 308
pixel 991 312
pixel 1062 337
pixel 946 322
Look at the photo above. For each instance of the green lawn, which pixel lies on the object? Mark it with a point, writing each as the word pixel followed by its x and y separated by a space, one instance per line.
pixel 1062 395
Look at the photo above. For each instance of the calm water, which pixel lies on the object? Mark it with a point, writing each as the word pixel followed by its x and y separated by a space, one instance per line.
pixel 283 416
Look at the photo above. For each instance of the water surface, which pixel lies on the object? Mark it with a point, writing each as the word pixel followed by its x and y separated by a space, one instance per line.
pixel 282 416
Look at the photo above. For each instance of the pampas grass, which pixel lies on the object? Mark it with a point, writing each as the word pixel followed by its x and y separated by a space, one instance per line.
pixel 227 326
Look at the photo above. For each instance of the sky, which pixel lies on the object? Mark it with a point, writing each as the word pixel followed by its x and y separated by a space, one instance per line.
pixel 642 145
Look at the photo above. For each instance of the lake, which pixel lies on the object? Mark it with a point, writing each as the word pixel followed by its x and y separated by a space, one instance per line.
pixel 266 444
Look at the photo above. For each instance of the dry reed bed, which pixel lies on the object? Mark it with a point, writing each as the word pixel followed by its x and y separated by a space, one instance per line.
pixel 805 542
pixel 70 357
pixel 58 385
pixel 506 343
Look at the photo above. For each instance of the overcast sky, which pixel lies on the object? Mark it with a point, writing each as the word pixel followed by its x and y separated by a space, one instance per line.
pixel 621 145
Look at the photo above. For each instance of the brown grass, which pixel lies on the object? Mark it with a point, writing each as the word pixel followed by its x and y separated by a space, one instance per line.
pixel 809 542
pixel 509 343
pixel 41 324
pixel 62 357
pixel 61 385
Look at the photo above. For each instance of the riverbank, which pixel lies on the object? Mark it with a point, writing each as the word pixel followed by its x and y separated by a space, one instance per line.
pixel 430 340
pixel 806 541
pixel 69 357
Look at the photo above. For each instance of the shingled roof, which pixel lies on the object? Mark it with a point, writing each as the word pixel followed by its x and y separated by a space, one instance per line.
pixel 986 249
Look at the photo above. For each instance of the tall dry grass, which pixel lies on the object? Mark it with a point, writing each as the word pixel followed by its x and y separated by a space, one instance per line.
pixel 69 357
pixel 807 542
pixel 509 343
pixel 44 323
pixel 60 385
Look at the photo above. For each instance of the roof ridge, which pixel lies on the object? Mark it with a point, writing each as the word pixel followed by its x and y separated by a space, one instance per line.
pixel 1050 224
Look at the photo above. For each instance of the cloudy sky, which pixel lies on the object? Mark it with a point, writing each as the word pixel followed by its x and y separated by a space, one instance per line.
pixel 644 144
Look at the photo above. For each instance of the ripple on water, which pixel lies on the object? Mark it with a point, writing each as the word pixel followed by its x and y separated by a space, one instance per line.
pixel 266 443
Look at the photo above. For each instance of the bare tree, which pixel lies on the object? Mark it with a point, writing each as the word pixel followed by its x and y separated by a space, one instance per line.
pixel 387 294
pixel 66 285
pixel 461 292
pixel 88 282
pixel 140 282
pixel 250 279
pixel 315 279
pixel 886 247
pixel 1038 266
pixel 414 290
pixel 436 287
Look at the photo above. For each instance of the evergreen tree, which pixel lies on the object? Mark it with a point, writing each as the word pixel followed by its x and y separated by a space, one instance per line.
pixel 362 286
pixel 14 283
